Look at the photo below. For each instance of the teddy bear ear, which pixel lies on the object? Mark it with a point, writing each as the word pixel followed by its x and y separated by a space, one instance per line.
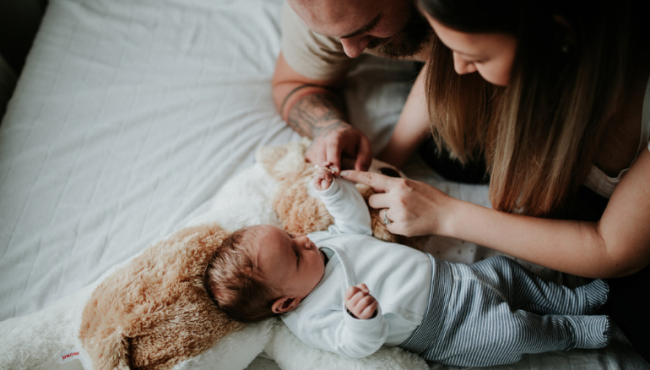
pixel 269 156
pixel 284 161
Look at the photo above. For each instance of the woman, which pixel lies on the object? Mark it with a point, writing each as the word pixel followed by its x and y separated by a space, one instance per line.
pixel 557 110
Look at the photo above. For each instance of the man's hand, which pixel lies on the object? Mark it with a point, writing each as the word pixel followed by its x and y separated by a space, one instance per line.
pixel 360 303
pixel 331 143
pixel 315 109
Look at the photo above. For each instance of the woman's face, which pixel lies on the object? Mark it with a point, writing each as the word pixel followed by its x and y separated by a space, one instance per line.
pixel 489 54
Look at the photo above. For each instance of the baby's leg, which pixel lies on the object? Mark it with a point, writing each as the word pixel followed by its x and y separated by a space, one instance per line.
pixel 502 336
pixel 525 290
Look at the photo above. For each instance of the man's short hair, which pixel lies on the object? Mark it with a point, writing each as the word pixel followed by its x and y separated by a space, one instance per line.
pixel 234 281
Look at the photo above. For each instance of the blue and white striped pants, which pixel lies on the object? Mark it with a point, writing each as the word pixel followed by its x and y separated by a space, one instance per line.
pixel 494 311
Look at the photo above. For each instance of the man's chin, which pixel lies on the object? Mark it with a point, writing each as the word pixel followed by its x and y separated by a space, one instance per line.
pixel 393 52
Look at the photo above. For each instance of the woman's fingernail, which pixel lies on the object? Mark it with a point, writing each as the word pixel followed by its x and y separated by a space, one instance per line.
pixel 345 173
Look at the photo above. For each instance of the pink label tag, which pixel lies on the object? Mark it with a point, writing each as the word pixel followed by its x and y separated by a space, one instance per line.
pixel 68 356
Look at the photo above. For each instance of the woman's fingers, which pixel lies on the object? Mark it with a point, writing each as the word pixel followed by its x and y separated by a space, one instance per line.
pixel 374 180
pixel 380 200
pixel 414 208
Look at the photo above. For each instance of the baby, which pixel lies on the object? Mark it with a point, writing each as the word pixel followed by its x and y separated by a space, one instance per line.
pixel 487 313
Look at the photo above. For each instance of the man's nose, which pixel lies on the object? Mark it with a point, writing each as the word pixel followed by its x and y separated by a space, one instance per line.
pixel 354 46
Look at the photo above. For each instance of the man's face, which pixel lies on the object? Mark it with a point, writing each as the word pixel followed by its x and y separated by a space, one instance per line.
pixel 393 28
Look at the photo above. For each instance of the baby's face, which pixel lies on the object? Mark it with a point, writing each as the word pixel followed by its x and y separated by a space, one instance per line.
pixel 291 263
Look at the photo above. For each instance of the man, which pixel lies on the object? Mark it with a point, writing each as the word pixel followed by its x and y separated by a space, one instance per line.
pixel 320 38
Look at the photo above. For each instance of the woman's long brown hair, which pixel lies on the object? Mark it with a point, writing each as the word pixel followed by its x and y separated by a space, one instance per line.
pixel 541 133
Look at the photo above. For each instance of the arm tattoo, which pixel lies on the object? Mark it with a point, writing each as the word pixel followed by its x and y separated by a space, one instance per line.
pixel 316 114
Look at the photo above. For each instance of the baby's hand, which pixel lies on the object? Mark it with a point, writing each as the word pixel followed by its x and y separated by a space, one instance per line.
pixel 323 177
pixel 360 303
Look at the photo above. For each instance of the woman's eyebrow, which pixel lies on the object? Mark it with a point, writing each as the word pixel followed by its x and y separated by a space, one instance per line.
pixel 364 29
pixel 468 54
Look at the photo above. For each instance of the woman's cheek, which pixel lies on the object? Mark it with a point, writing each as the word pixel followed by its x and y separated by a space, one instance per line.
pixel 495 75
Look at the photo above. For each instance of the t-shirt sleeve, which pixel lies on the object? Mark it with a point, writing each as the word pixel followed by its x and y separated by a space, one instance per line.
pixel 312 55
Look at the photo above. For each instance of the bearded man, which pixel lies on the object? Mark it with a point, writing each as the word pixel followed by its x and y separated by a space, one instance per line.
pixel 320 38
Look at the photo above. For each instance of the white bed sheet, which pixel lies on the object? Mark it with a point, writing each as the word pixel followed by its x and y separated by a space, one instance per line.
pixel 131 115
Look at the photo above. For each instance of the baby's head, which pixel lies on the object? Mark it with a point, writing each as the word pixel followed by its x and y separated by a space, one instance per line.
pixel 262 271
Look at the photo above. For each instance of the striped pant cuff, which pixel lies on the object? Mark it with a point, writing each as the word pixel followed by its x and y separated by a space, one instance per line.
pixel 597 293
pixel 592 331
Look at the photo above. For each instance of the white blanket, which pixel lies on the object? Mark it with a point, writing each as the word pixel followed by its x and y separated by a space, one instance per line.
pixel 131 115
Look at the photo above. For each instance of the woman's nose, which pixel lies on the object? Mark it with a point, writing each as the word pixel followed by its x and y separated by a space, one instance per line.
pixel 354 46
pixel 462 66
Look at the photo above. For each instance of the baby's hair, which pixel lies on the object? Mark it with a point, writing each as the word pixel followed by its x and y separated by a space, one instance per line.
pixel 234 281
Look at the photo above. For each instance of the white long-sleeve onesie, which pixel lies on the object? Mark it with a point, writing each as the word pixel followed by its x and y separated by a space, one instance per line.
pixel 398 276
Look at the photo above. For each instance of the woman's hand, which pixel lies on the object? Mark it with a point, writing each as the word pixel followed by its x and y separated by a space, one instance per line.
pixel 411 207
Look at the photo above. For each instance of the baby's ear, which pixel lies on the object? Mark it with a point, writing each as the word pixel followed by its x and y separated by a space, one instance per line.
pixel 284 304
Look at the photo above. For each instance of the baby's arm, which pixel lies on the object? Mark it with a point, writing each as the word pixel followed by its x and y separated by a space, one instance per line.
pixel 344 203
pixel 332 328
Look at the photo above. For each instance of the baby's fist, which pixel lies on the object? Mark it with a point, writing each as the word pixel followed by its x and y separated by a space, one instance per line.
pixel 360 303
pixel 323 177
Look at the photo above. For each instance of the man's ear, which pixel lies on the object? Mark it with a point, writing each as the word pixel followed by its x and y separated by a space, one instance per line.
pixel 284 304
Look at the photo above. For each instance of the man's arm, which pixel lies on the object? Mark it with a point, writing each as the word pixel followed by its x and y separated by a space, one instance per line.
pixel 314 109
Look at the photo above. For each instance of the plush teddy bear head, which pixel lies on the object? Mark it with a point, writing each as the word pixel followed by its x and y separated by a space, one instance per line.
pixel 154 312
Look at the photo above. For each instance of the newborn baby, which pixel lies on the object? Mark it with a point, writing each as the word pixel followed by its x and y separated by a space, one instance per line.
pixel 342 290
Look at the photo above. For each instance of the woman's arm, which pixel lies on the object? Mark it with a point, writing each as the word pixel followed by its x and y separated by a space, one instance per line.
pixel 617 245
pixel 412 127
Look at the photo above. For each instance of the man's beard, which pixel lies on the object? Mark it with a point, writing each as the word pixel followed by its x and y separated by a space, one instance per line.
pixel 407 42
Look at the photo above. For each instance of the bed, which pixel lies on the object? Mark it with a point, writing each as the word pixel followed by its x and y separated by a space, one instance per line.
pixel 130 116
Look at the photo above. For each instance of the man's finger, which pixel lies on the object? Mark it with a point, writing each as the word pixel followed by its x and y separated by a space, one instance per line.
pixel 374 180
pixel 333 153
pixel 364 155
